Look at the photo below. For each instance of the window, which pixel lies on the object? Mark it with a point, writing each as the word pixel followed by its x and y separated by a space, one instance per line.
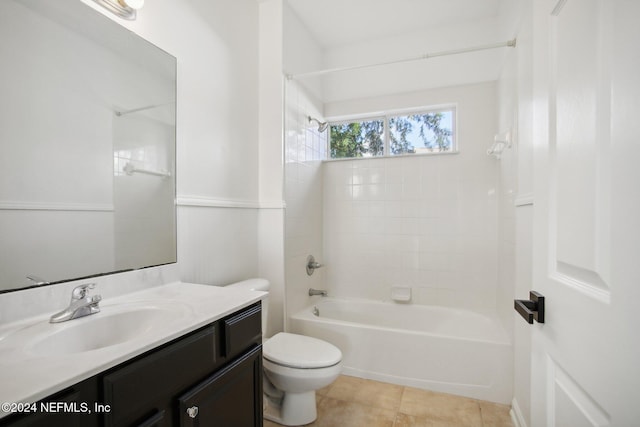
pixel 421 133
pixel 415 133
pixel 357 139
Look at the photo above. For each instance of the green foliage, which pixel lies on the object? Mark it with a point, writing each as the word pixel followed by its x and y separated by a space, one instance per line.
pixel 365 138
pixel 357 139
pixel 430 131
pixel 400 129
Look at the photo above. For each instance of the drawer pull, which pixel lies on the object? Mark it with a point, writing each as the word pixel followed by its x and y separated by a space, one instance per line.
pixel 192 412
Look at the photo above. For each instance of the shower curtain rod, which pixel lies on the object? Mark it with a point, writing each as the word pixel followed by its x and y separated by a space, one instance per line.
pixel 508 43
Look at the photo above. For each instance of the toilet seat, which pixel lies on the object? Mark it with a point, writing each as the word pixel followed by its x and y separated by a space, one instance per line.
pixel 299 351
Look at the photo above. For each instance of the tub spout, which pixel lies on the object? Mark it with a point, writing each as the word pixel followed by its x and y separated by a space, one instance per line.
pixel 314 292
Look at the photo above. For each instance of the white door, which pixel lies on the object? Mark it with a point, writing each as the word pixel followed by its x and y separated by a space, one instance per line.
pixel 586 356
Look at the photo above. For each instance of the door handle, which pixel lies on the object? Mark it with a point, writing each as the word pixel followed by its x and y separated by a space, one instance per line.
pixel 532 308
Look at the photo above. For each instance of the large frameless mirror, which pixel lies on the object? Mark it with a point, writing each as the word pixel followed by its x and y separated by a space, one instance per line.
pixel 87 143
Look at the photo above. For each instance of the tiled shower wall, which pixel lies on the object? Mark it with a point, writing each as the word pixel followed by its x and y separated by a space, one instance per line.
pixel 305 148
pixel 420 222
pixel 425 222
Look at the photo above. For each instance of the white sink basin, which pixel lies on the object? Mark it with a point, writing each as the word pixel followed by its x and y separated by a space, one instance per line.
pixel 115 324
pixel 100 330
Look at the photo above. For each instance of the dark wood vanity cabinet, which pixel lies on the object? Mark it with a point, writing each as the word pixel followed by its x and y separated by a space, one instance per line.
pixel 210 377
pixel 230 397
pixel 207 368
pixel 142 392
pixel 64 408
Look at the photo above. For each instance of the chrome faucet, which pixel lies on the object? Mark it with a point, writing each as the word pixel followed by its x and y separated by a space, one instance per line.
pixel 312 265
pixel 314 292
pixel 81 304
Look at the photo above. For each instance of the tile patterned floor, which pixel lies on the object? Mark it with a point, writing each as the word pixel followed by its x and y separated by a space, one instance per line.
pixel 356 402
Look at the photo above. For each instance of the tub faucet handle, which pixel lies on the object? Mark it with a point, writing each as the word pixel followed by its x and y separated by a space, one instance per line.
pixel 312 265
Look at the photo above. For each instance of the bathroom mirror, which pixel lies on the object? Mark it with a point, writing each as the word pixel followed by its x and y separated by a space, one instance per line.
pixel 87 138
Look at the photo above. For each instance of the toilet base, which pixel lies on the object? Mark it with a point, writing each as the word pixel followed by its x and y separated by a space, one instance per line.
pixel 296 409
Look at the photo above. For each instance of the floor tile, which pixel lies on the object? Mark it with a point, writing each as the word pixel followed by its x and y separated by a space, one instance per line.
pixel 357 402
pixel 495 415
pixel 324 390
pixel 404 420
pixel 340 413
pixel 345 387
pixel 367 392
pixel 441 409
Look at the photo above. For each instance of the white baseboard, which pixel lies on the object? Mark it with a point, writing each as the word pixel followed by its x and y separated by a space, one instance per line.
pixel 516 414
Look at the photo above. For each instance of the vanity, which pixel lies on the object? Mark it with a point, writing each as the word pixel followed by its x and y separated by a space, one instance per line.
pixel 192 356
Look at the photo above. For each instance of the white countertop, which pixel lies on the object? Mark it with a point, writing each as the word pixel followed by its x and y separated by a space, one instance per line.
pixel 27 376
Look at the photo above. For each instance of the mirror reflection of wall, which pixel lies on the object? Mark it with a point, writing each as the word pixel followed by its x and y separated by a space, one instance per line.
pixel 143 148
pixel 82 98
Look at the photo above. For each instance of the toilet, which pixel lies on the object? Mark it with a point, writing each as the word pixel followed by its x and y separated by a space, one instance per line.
pixel 294 366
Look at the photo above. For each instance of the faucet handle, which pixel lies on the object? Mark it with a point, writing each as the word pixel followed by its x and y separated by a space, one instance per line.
pixel 80 292
pixel 312 265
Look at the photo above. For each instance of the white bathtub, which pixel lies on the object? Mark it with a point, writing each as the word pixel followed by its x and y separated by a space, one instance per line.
pixel 436 348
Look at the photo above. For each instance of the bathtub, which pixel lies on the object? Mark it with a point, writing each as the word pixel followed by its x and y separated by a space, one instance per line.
pixel 435 348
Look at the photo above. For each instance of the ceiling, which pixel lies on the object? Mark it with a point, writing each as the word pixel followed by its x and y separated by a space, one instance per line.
pixel 341 22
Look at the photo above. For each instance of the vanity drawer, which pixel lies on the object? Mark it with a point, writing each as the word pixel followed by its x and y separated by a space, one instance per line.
pixel 150 383
pixel 241 330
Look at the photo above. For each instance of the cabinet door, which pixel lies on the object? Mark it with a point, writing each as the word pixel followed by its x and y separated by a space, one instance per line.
pixel 139 391
pixel 72 407
pixel 157 419
pixel 232 397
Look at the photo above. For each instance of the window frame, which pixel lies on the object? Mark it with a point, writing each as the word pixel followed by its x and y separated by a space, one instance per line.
pixel 385 116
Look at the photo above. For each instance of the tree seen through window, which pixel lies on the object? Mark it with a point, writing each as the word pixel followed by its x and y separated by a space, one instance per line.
pixel 429 132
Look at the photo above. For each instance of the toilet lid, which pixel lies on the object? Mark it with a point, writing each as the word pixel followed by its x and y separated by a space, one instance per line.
pixel 299 351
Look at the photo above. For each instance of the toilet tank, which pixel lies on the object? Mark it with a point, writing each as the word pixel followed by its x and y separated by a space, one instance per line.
pixel 257 285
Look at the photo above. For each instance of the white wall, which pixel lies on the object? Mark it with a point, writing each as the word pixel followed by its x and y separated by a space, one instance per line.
pixel 301 51
pixel 305 148
pixel 516 208
pixel 508 187
pixel 416 75
pixel 428 222
pixel 144 220
pixel 270 124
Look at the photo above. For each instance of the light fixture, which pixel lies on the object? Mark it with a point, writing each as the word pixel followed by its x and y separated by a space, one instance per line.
pixel 123 8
